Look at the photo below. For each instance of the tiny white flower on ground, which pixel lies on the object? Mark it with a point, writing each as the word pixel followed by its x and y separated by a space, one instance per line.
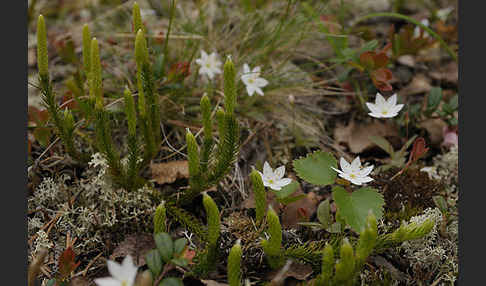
pixel 252 80
pixel 274 179
pixel 384 108
pixel 416 31
pixel 121 274
pixel 210 65
pixel 354 172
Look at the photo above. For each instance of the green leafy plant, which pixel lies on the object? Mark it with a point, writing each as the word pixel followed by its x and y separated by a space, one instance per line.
pixel 208 165
pixel 398 158
pixel 234 265
pixel 405 42
pixel 433 105
pixel 273 245
pixel 166 256
pixel 352 206
pixel 208 257
pixel 346 269
pixel 94 109
pixel 325 219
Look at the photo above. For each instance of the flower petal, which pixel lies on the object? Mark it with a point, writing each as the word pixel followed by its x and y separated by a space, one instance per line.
pixel 356 164
pixel 284 182
pixel 379 100
pixel 397 108
pixel 280 172
pixel 258 90
pixel 372 107
pixel 365 179
pixel 365 171
pixel 250 89
pixel 345 166
pixel 374 115
pixel 130 269
pixel 392 100
pixel 246 69
pixel 116 270
pixel 204 55
pixel 256 69
pixel 107 281
pixel 267 170
pixel 261 82
pixel 339 171
pixel 275 186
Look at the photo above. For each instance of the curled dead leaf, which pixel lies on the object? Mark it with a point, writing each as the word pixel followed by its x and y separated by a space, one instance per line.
pixel 291 269
pixel 435 129
pixel 300 210
pixel 419 84
pixel 356 135
pixel 168 172
pixel 135 245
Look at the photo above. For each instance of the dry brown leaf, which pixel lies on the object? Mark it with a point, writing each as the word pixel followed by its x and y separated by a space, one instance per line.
pixel 135 245
pixel 435 128
pixel 419 84
pixel 356 135
pixel 295 270
pixel 407 60
pixel 164 173
pixel 300 210
pixel 448 73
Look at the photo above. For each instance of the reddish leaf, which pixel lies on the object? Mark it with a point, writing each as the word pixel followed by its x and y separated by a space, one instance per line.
pixel 418 150
pixel 67 263
pixel 367 60
pixel 380 60
pixel 179 71
pixel 381 78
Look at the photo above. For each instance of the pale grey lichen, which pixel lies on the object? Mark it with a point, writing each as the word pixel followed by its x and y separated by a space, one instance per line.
pixel 90 209
pixel 434 254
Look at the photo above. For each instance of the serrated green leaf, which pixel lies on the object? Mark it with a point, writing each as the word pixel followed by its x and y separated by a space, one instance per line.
pixel 179 245
pixel 171 281
pixel 289 200
pixel 154 262
pixel 354 208
pixel 286 191
pixel 454 102
pixel 165 245
pixel 382 143
pixel 324 213
pixel 434 98
pixel 316 168
pixel 179 262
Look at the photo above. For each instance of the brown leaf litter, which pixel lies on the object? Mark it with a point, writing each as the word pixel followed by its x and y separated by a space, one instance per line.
pixel 168 172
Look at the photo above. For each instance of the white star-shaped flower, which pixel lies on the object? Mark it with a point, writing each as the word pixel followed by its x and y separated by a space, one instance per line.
pixel 274 179
pixel 416 31
pixel 210 65
pixel 252 80
pixel 354 172
pixel 384 108
pixel 121 274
